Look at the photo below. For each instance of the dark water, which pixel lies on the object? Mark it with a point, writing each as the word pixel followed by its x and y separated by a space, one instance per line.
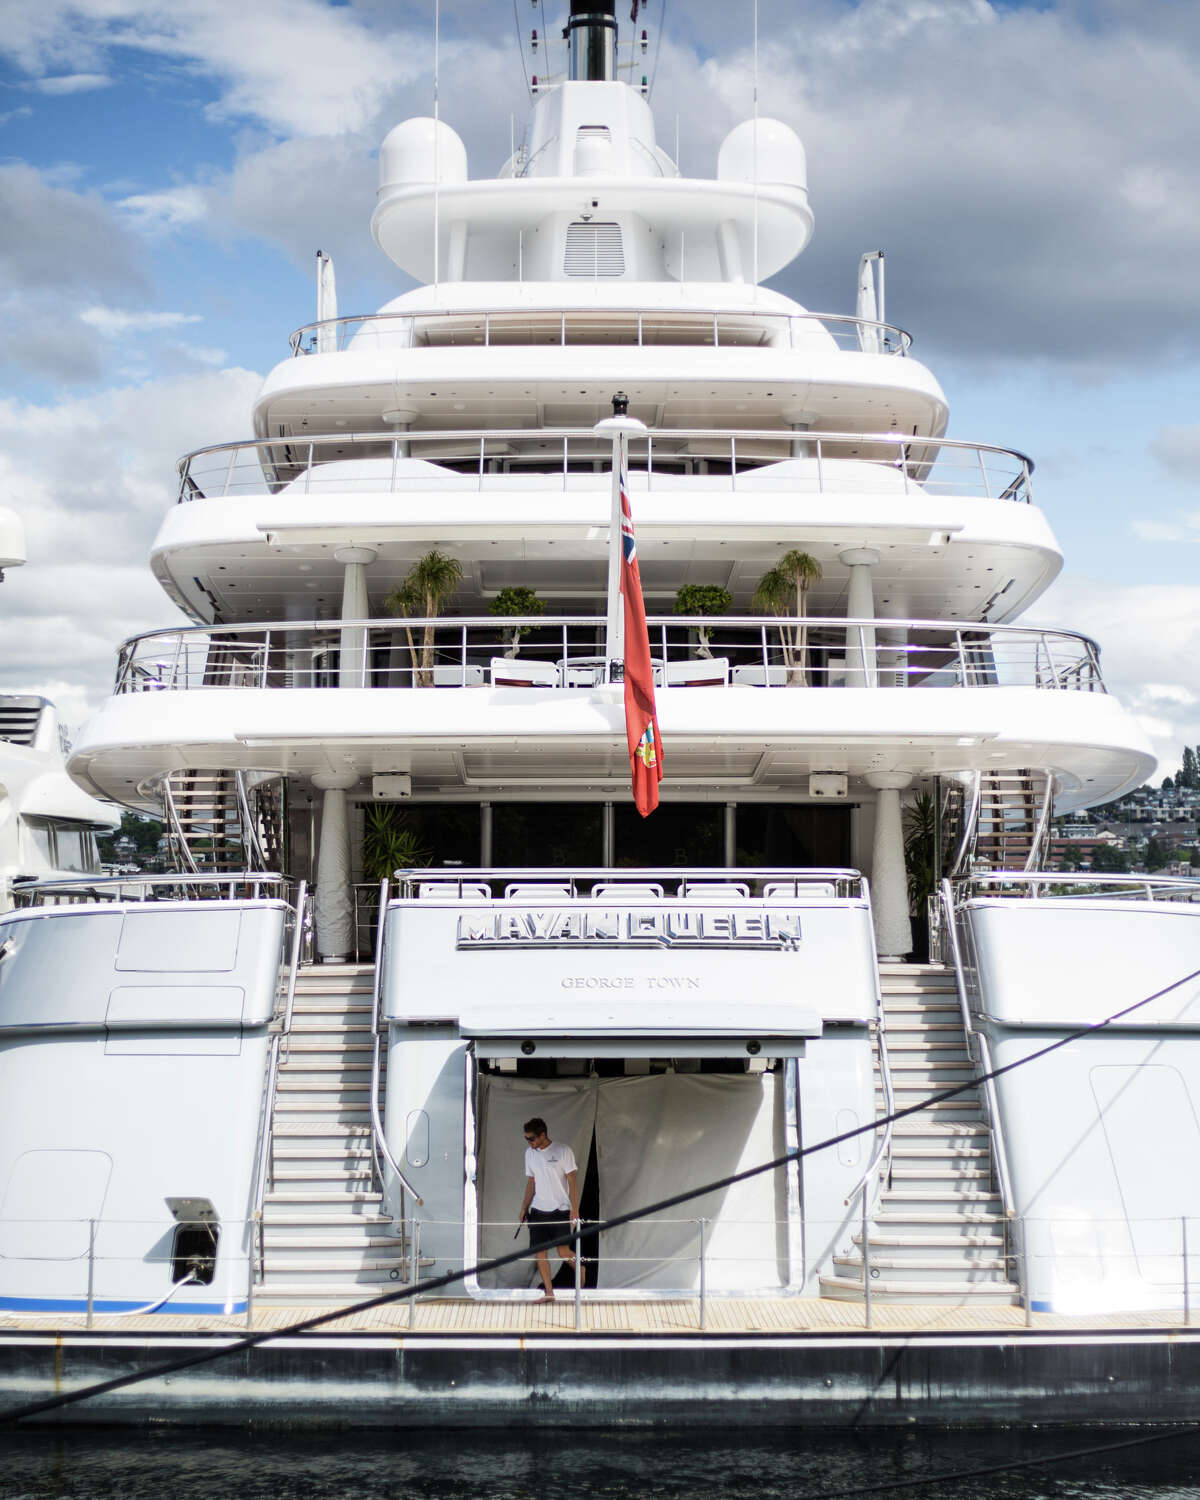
pixel 612 1465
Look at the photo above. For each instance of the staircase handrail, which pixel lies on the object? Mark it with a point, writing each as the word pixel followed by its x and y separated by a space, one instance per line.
pixel 252 843
pixel 966 843
pixel 176 826
pixel 265 1137
pixel 381 1148
pixel 1042 828
pixel 298 915
pixel 882 1154
pixel 984 1058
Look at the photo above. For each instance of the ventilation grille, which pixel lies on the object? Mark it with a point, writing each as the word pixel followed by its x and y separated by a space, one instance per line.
pixel 594 250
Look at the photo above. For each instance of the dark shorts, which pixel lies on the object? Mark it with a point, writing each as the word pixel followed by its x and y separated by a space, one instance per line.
pixel 547 1224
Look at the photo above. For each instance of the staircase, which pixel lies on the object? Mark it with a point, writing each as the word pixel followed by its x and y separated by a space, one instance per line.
pixel 938 1234
pixel 327 1239
pixel 210 832
pixel 1012 822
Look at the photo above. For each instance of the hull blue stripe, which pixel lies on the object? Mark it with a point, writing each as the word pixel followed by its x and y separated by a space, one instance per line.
pixel 106 1305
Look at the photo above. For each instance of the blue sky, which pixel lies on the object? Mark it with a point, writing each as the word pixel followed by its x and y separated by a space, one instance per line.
pixel 167 171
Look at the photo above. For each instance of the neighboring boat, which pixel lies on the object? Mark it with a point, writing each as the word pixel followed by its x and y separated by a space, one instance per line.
pixel 48 826
pixel 407 658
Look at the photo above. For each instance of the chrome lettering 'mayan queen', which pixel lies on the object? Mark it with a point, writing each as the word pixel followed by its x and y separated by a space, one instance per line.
pixel 604 928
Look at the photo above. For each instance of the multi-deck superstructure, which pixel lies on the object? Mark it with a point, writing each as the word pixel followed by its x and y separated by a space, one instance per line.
pixel 361 677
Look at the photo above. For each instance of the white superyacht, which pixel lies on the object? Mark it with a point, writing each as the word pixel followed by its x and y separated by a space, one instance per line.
pixel 406 661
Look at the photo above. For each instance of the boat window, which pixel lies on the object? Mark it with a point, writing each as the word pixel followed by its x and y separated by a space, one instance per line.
pixel 37 831
pixel 594 250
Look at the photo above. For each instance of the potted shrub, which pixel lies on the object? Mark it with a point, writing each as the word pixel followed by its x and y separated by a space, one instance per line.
pixel 703 599
pixel 779 589
pixel 515 600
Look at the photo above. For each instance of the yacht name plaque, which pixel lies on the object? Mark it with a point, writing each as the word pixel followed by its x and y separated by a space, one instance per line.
pixel 571 928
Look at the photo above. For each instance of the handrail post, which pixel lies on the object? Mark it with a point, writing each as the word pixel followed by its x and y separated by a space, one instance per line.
pixel 91 1276
pixel 414 1269
pixel 250 1276
pixel 866 1261
pixel 703 1276
pixel 1023 1272
pixel 578 1275
pixel 1187 1291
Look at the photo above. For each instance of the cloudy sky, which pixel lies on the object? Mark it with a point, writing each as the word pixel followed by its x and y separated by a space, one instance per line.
pixel 169 167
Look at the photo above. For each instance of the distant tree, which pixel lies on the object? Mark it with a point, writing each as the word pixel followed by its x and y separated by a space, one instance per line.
pixel 1155 855
pixel 1167 784
pixel 144 832
pixel 1189 775
pixel 1105 857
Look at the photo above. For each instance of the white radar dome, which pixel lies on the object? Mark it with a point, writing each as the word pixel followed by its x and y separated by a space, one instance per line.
pixel 421 150
pixel 780 154
pixel 12 540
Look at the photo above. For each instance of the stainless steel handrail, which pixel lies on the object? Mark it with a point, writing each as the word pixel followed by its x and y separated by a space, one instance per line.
pixel 1029 883
pixel 850 884
pixel 883 1146
pixel 691 320
pixel 379 1136
pixel 667 634
pixel 122 886
pixel 300 912
pixel 248 822
pixel 909 455
pixel 266 1135
pixel 984 1058
pixel 970 824
pixel 1042 828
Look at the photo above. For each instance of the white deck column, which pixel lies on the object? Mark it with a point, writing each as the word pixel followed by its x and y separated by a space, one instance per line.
pixel 351 672
pixel 335 899
pixel 861 670
pixel 889 881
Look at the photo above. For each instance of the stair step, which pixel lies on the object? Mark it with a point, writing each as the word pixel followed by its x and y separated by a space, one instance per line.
pixel 287 1199
pixel 948 1293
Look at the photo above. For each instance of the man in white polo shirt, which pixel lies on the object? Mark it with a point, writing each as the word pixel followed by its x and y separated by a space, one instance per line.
pixel 551 1201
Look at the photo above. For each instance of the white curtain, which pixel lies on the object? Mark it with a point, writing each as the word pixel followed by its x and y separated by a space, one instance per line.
pixel 655 1135
pixel 666 1133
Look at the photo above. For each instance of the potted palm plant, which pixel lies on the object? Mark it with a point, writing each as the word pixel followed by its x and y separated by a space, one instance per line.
pixel 781 588
pixel 702 599
pixel 516 599
pixel 430 581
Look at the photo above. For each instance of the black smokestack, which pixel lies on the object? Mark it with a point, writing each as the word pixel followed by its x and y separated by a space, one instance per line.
pixel 592 37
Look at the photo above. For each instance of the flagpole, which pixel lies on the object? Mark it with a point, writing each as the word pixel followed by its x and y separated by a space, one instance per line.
pixel 619 427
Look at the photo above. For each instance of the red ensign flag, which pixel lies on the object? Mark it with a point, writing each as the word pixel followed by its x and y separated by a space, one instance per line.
pixel 641 718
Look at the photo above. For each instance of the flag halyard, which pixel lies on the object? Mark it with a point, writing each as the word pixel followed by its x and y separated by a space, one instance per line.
pixel 641 714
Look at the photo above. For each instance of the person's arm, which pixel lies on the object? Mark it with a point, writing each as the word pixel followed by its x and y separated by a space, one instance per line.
pixel 526 1200
pixel 573 1190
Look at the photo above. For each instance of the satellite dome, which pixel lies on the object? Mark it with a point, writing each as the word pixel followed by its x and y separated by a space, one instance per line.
pixel 421 150
pixel 780 154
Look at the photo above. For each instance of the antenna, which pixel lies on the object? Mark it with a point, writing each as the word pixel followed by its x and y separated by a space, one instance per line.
pixel 756 150
pixel 437 146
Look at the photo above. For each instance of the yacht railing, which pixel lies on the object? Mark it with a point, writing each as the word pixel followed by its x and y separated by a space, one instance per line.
pixel 381 1152
pixel 567 652
pixel 979 1053
pixel 558 458
pixel 697 883
pixel 1069 885
pixel 866 1192
pixel 713 328
pixel 87 890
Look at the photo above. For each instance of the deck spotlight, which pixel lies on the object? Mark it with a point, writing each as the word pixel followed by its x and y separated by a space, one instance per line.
pixel 528 1048
pixel 620 404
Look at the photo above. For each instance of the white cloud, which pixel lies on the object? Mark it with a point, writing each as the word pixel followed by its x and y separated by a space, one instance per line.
pixel 172 208
pixel 92 478
pixel 1149 638
pixel 73 83
pixel 299 66
pixel 113 322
